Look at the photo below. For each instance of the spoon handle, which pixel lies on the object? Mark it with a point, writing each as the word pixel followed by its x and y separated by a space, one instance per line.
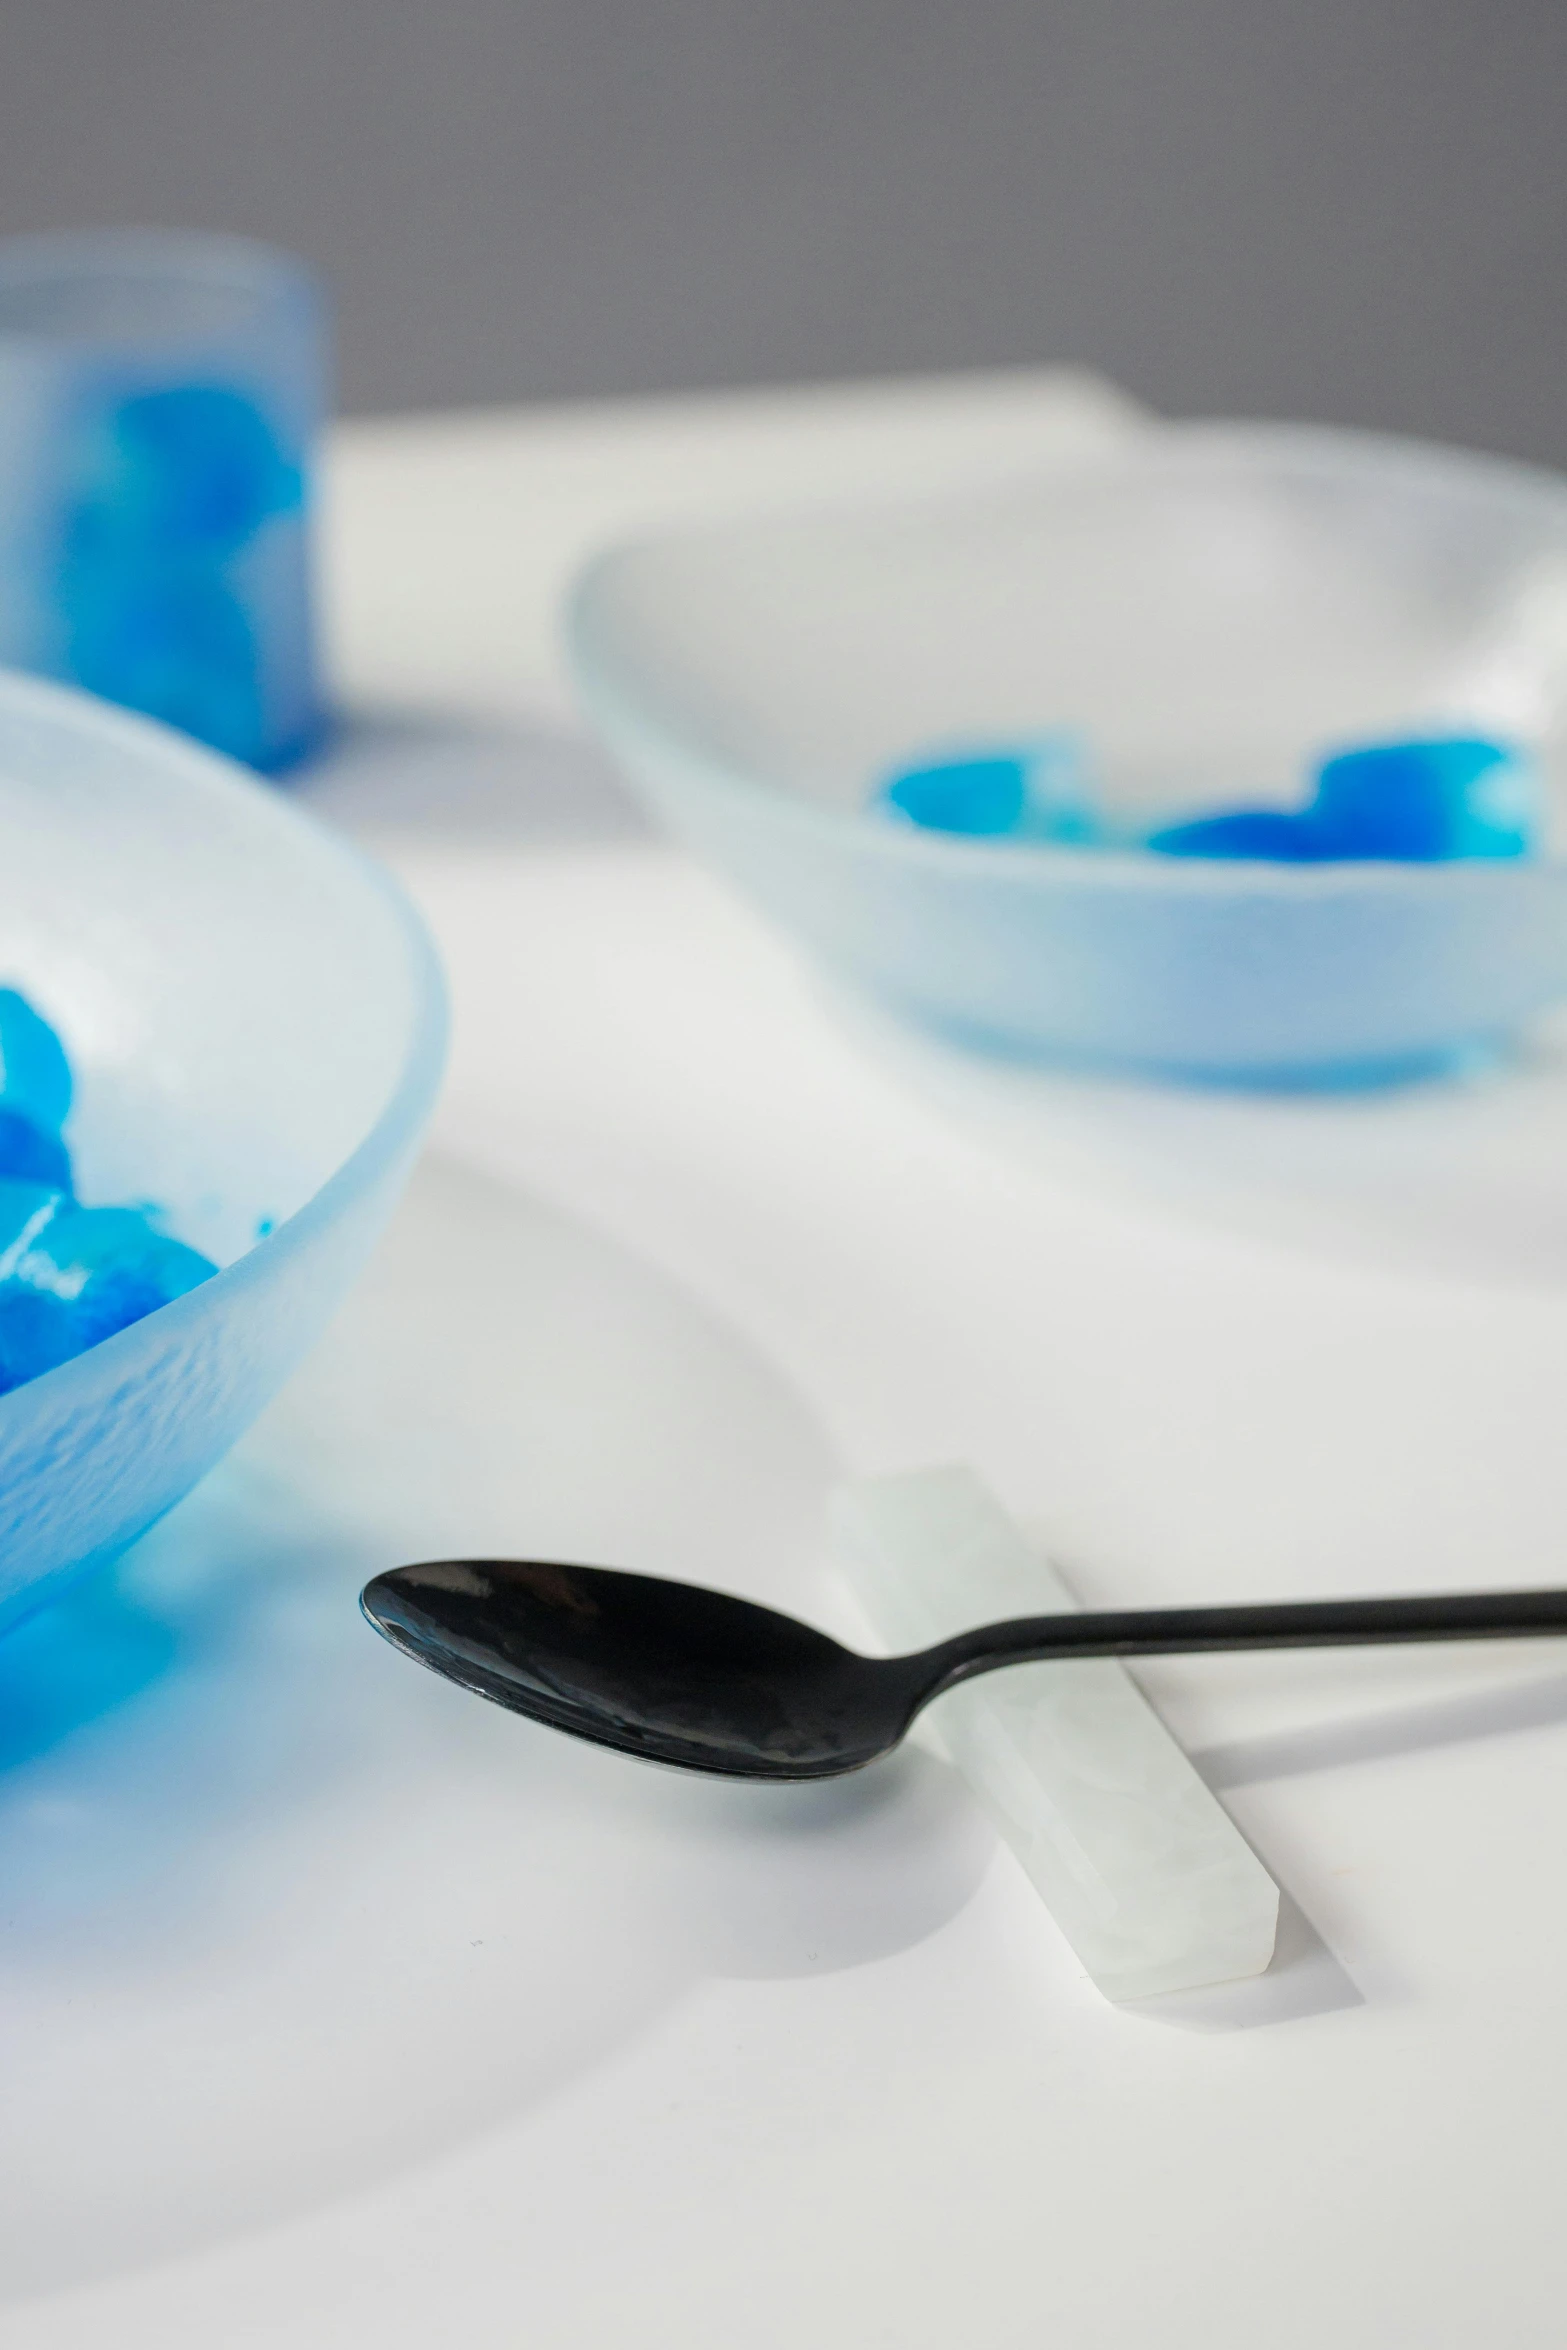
pixel 1195 1631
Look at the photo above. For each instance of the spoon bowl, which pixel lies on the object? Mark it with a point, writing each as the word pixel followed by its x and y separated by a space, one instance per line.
pixel 666 1671
pixel 676 1674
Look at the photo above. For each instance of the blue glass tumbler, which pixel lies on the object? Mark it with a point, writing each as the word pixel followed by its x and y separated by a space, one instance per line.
pixel 161 397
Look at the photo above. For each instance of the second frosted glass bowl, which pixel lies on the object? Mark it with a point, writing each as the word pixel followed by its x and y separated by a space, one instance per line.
pixel 257 1027
pixel 1209 609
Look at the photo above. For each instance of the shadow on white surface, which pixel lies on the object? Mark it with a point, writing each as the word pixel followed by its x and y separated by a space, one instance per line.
pixel 284 1914
pixel 78 1661
pixel 455 779
pixel 1499 1711
pixel 789 1881
pixel 1456 1176
pixel 1305 1979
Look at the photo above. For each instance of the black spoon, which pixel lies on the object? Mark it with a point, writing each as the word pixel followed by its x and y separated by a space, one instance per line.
pixel 707 1682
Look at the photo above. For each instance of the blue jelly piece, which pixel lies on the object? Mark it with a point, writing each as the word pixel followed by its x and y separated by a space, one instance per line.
pixel 173 641
pixel 109 1265
pixel 1271 834
pixel 174 485
pixel 1031 791
pixel 35 1336
pixel 29 1326
pixel 1427 801
pixel 72 1276
pixel 31 1154
pixel 35 1076
pixel 196 465
pixel 979 797
pixel 23 1205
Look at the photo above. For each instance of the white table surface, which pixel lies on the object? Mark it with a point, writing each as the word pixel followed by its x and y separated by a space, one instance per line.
pixel 1210 1346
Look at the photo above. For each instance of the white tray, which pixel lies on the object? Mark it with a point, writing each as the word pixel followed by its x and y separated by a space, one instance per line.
pixel 340 2009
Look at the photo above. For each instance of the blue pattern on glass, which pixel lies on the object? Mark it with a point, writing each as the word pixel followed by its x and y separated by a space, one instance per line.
pixel 178 484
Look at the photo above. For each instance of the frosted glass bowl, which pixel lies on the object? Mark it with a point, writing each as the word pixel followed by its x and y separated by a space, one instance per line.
pixel 1211 608
pixel 257 1027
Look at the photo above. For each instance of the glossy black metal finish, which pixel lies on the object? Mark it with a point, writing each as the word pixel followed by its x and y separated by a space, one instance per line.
pixel 662 1670
pixel 696 1678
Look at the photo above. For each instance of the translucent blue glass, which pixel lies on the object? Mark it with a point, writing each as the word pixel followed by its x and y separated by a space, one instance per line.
pixel 160 400
pixel 256 1026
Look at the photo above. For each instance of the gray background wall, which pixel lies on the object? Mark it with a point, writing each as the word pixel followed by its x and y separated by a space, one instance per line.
pixel 1345 209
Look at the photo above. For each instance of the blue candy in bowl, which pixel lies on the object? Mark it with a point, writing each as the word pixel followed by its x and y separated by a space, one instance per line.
pixel 256 1026
pixel 1208 615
